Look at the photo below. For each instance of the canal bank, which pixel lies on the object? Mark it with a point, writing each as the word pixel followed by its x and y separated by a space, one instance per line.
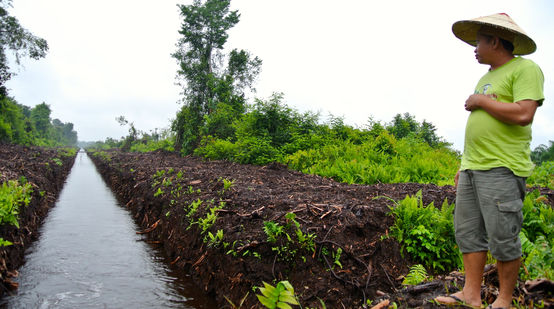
pixel 45 169
pixel 89 255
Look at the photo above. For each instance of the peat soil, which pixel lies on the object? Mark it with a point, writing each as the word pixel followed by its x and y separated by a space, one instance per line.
pixel 161 188
pixel 46 170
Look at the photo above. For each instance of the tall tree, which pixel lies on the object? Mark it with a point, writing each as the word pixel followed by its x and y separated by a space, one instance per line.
pixel 40 116
pixel 543 153
pixel 12 122
pixel 206 81
pixel 17 39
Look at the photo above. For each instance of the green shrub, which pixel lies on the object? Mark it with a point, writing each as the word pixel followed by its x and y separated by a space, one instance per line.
pixel 538 217
pixel 538 260
pixel 384 160
pixel 151 145
pixel 537 237
pixel 256 150
pixel 13 194
pixel 426 233
pixel 543 175
pixel 217 149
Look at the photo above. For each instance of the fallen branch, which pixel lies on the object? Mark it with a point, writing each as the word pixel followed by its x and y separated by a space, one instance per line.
pixel 151 228
pixel 383 304
pixel 200 259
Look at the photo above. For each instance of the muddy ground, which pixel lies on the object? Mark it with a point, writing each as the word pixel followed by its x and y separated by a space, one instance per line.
pixel 46 177
pixel 353 218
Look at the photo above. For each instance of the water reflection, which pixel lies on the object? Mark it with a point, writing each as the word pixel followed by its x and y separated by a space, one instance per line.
pixel 89 256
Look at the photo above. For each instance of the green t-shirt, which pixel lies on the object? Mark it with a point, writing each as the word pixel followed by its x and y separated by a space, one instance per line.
pixel 490 143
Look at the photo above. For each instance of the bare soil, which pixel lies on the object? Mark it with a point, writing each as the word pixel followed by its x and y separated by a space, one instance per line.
pixel 46 178
pixel 351 217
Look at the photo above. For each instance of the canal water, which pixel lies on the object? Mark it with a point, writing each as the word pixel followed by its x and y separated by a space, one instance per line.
pixel 89 256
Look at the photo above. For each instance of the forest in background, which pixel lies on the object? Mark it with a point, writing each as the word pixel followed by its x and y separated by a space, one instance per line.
pixel 21 124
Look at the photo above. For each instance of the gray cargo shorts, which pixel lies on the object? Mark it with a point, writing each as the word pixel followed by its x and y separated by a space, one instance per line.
pixel 488 212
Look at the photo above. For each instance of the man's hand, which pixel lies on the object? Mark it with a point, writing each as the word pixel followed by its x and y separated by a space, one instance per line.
pixel 474 101
pixel 456 179
pixel 518 113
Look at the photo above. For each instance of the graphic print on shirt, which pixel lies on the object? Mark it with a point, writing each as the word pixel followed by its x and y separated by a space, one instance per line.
pixel 487 90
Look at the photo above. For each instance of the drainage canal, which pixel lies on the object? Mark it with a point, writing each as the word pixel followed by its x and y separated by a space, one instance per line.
pixel 89 256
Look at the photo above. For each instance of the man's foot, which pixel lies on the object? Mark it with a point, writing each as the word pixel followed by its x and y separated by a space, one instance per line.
pixel 449 300
pixel 494 306
pixel 456 299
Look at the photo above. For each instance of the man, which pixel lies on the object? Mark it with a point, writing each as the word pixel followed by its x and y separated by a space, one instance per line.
pixel 496 158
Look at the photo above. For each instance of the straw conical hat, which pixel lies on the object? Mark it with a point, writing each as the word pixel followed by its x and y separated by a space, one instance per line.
pixel 502 25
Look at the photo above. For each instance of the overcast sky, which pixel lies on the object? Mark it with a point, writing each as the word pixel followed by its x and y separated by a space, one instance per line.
pixel 352 59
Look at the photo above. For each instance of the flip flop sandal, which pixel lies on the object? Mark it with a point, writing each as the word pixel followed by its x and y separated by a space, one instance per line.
pixel 457 301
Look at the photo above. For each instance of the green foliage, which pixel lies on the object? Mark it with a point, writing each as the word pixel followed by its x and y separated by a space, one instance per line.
pixel 538 217
pixel 279 296
pixel 158 192
pixel 543 175
pixel 426 233
pixel 385 160
pixel 273 230
pixel 217 149
pixel 275 122
pixel 215 240
pixel 67 152
pixel 211 216
pixel 416 275
pixel 270 131
pixel 21 125
pixel 336 257
pixel 538 259
pixel 136 140
pixel 406 125
pixel 305 240
pixel 256 150
pixel 102 155
pixel 13 123
pixel 227 184
pixel 214 94
pixel 13 194
pixel 537 237
pixel 192 208
pixel 285 246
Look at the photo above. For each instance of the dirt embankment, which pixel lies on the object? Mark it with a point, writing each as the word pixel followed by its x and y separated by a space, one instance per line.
pixel 46 171
pixel 345 217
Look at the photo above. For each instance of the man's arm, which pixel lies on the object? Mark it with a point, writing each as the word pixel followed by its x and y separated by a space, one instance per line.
pixel 519 113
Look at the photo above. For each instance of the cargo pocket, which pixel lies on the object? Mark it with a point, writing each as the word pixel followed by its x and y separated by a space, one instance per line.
pixel 510 218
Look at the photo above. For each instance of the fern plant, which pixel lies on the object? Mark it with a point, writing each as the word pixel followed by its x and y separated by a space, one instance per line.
pixel 416 275
pixel 272 230
pixel 279 296
pixel 426 233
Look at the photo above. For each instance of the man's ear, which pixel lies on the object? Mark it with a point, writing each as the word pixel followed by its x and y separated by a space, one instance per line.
pixel 495 41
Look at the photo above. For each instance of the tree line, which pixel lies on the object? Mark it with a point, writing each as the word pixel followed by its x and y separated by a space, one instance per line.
pixel 20 124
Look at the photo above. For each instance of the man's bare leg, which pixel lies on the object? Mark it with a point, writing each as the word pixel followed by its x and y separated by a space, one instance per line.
pixel 507 278
pixel 474 264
